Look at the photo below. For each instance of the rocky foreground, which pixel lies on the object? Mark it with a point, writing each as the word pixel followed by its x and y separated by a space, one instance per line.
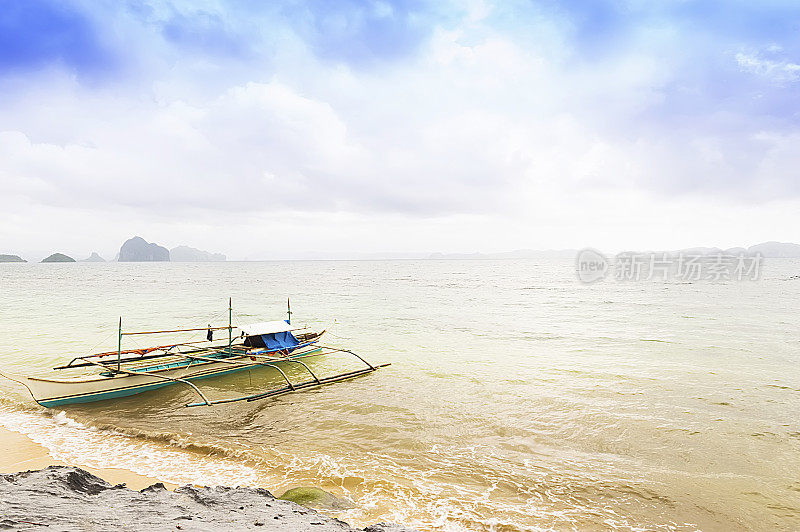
pixel 69 498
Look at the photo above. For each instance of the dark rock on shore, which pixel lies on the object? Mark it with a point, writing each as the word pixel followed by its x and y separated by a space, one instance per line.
pixel 137 249
pixel 69 498
pixel 11 258
pixel 58 257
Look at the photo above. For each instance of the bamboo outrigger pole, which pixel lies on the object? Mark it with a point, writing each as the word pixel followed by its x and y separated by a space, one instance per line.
pixel 230 324
pixel 119 345
pixel 177 330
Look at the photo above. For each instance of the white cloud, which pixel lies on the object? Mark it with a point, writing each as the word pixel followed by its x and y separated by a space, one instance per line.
pixel 780 71
pixel 478 142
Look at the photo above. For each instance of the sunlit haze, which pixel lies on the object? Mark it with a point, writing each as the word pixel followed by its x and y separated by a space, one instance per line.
pixel 312 129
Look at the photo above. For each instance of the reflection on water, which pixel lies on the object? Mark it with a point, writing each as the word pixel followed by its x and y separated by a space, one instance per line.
pixel 517 398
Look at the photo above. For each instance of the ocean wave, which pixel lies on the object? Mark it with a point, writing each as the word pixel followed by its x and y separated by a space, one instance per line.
pixel 170 460
pixel 431 495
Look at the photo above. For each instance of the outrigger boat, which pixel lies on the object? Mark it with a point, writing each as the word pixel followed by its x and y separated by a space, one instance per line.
pixel 274 345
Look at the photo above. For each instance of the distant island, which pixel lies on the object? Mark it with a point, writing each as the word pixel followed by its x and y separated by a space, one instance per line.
pixel 776 250
pixel 187 254
pixel 516 254
pixel 773 250
pixel 58 257
pixel 137 249
pixel 94 257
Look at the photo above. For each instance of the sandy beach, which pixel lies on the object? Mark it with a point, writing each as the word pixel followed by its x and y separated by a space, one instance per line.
pixel 19 453
pixel 554 416
pixel 36 489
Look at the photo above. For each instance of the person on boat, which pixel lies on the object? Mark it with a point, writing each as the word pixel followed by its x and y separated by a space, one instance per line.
pixel 210 334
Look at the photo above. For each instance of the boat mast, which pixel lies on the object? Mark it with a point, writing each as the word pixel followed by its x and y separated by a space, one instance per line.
pixel 230 324
pixel 119 345
pixel 289 311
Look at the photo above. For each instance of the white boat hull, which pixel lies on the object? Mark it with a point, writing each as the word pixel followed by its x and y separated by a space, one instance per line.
pixel 56 392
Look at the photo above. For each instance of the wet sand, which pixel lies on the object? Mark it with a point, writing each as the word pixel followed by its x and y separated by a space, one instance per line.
pixel 69 498
pixel 19 453
pixel 37 490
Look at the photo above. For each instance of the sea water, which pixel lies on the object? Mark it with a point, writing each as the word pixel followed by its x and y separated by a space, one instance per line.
pixel 518 398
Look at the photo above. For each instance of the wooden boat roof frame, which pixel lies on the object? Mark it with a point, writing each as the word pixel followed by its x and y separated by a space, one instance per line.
pixel 112 371
pixel 258 359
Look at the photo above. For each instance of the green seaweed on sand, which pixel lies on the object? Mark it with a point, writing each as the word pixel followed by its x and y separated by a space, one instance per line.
pixel 312 497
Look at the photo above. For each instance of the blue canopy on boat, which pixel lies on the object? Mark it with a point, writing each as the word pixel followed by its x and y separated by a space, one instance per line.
pixel 279 340
pixel 274 335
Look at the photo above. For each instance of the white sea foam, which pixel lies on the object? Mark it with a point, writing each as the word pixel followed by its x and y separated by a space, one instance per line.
pixel 518 398
pixel 72 442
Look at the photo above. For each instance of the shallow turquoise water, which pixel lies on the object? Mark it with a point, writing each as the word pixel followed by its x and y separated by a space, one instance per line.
pixel 517 398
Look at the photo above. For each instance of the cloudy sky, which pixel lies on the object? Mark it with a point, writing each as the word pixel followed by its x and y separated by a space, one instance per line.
pixel 286 128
